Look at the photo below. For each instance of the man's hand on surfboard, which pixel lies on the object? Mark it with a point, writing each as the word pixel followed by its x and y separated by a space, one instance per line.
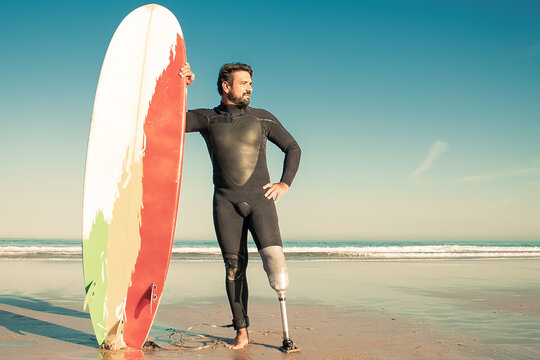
pixel 186 72
pixel 275 190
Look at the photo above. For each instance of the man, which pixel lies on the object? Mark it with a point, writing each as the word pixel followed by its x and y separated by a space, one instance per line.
pixel 244 197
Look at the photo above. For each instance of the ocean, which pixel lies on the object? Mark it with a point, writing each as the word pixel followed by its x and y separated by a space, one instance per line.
pixel 58 250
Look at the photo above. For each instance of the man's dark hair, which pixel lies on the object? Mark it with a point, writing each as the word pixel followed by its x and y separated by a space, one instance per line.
pixel 226 74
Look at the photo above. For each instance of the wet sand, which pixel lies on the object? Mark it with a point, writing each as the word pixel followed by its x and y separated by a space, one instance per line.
pixel 337 310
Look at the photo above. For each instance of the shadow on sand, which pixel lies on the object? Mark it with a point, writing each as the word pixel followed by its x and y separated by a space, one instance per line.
pixel 26 302
pixel 21 324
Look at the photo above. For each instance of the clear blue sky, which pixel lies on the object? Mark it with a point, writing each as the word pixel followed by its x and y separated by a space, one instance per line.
pixel 417 119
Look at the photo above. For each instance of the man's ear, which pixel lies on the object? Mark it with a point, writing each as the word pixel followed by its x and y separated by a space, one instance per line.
pixel 226 87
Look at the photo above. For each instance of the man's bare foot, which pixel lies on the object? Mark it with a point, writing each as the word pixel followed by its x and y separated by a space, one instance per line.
pixel 241 340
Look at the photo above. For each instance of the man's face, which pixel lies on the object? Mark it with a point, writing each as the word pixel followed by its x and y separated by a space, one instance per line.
pixel 239 92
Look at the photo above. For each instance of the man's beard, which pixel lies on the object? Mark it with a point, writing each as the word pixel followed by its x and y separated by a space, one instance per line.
pixel 239 100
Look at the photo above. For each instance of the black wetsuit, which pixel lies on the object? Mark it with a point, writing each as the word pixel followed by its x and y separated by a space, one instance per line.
pixel 236 139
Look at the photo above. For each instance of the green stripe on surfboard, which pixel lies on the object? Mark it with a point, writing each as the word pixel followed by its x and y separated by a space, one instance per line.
pixel 95 274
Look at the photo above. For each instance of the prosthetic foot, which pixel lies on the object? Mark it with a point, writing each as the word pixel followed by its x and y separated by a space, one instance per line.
pixel 276 270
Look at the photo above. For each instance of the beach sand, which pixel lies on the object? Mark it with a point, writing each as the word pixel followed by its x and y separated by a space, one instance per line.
pixel 464 309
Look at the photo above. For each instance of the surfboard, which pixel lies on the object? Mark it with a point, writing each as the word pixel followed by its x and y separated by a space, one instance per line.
pixel 133 174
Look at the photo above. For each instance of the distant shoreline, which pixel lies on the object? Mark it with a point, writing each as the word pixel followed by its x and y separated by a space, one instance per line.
pixel 59 250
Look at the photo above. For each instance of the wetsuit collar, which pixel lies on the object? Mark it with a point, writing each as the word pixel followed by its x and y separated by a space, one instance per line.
pixel 231 109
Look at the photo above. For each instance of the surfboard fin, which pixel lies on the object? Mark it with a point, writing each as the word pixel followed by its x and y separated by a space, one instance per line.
pixel 90 292
pixel 153 297
pixel 118 341
pixel 120 330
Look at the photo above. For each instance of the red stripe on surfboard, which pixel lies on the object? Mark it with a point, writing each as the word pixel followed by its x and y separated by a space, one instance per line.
pixel 164 129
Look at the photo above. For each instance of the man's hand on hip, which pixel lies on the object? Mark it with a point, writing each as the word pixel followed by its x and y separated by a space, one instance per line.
pixel 275 190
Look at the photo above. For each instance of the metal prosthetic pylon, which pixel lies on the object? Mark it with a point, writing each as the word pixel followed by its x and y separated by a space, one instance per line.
pixel 288 345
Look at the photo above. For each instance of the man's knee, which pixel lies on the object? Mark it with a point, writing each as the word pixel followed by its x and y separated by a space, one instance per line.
pixel 234 265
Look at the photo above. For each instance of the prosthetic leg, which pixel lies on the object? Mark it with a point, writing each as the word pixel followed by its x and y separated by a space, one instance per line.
pixel 276 270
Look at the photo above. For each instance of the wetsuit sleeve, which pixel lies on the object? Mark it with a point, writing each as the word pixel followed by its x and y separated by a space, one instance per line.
pixel 281 137
pixel 196 121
